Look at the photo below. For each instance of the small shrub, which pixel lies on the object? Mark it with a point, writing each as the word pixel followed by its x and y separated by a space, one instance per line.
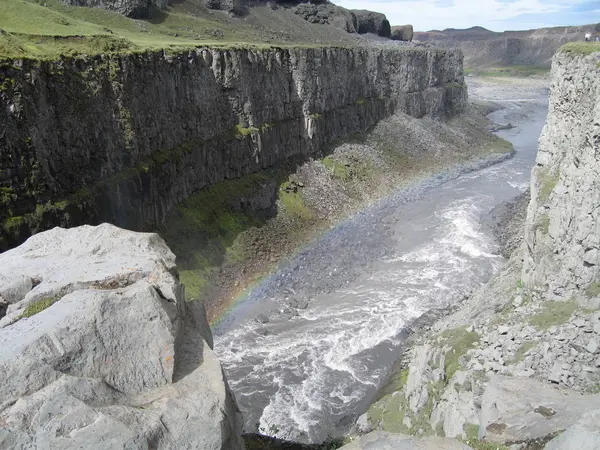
pixel 241 131
pixel 553 313
pixel 39 306
pixel 315 116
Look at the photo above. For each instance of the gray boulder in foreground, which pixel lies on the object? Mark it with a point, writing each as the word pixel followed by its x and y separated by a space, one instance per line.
pixel 518 408
pixel 381 440
pixel 584 435
pixel 119 360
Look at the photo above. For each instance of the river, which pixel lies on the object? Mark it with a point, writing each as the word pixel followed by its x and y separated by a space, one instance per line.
pixel 304 370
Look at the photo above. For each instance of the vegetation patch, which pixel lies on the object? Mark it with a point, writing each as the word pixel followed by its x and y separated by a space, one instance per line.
pixel 502 146
pixel 553 313
pixel 388 413
pixel 338 169
pixel 460 341
pixel 543 223
pixel 520 355
pixel 472 432
pixel 580 48
pixel 547 183
pixel 593 290
pixel 39 306
pixel 241 131
pixel 202 230
pixel 292 201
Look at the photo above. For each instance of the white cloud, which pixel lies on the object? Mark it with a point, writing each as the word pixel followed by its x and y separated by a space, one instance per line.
pixel 493 14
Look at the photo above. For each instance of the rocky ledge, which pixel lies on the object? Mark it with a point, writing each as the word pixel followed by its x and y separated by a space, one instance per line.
pixel 98 348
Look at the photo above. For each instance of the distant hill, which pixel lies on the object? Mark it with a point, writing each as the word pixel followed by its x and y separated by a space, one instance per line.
pixel 486 48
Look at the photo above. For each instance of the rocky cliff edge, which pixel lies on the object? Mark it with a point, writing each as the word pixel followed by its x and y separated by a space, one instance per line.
pixel 99 350
pixel 519 362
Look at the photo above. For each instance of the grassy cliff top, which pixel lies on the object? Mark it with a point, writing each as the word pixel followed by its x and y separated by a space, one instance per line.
pixel 48 28
pixel 581 48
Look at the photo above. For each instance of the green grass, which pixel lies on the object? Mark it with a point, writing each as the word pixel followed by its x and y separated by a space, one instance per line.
pixel 39 306
pixel 580 48
pixel 241 131
pixel 547 182
pixel 459 340
pixel 593 290
pixel 339 170
pixel 472 431
pixel 202 230
pixel 502 146
pixel 294 203
pixel 553 313
pixel 46 29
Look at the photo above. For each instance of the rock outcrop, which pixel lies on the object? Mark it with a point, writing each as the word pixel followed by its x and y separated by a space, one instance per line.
pixel 402 33
pixel 137 9
pixel 122 139
pixel 519 361
pixel 562 231
pixel 330 14
pixel 100 350
pixel 372 22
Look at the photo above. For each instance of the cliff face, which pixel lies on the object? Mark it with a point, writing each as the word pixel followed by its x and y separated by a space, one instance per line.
pixel 563 221
pixel 484 48
pixel 510 364
pixel 123 139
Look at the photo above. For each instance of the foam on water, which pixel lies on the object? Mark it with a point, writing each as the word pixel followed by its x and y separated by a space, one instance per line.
pixel 321 364
pixel 304 376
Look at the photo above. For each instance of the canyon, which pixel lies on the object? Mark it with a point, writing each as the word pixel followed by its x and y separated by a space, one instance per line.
pixel 296 246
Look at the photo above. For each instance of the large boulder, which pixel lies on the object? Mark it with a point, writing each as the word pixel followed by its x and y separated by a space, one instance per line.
pixel 584 435
pixel 329 14
pixel 520 408
pixel 99 349
pixel 372 22
pixel 235 7
pixel 138 9
pixel 402 33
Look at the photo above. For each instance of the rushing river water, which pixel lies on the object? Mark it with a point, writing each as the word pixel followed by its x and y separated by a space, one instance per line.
pixel 304 371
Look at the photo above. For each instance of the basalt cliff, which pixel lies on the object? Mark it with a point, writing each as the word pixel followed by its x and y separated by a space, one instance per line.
pixel 123 138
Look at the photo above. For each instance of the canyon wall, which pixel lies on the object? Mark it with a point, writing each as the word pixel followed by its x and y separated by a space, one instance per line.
pixel 563 221
pixel 485 48
pixel 124 138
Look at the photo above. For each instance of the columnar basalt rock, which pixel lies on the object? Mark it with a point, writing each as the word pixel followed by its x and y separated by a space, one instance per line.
pixel 562 231
pixel 124 138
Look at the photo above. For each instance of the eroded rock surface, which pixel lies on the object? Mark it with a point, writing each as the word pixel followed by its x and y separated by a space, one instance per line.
pixel 100 350
pixel 563 220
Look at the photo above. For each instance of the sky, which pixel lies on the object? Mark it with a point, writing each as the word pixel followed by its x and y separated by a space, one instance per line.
pixel 496 15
